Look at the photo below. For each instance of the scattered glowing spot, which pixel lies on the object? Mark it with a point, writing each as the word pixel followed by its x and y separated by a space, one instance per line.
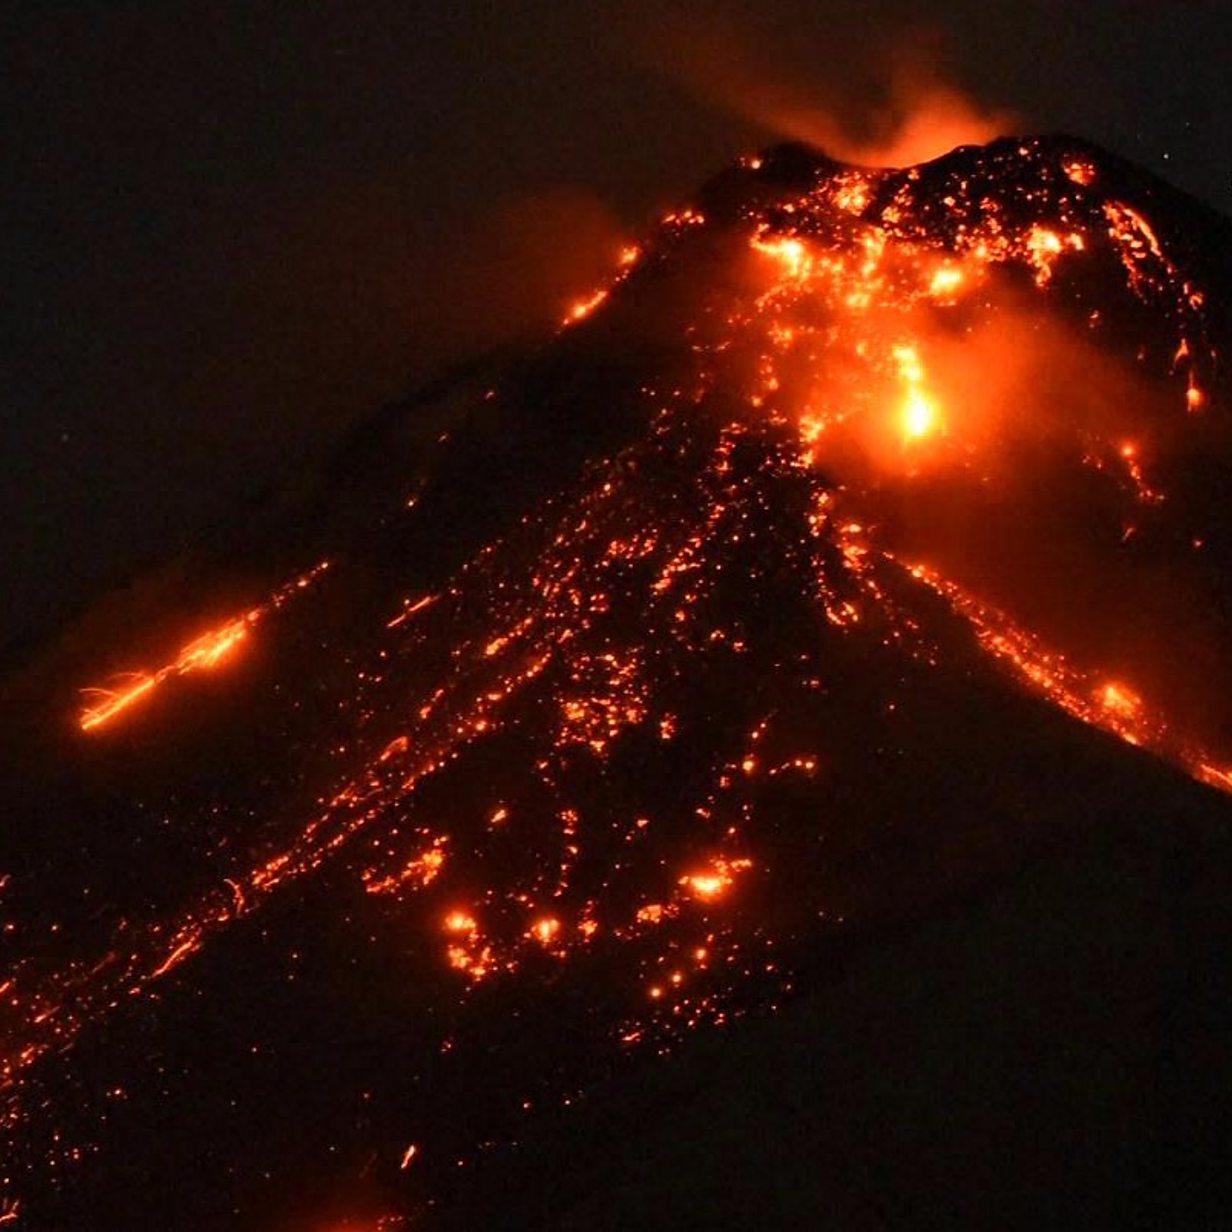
pixel 420 871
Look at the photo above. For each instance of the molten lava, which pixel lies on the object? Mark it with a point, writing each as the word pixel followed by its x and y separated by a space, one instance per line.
pixel 201 654
pixel 880 468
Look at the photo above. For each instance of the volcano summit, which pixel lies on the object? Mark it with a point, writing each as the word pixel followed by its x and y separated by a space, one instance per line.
pixel 859 552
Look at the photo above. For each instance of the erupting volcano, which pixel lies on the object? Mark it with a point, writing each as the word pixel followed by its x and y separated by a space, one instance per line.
pixel 866 533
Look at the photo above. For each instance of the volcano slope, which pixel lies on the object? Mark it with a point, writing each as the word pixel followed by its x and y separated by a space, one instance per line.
pixel 828 628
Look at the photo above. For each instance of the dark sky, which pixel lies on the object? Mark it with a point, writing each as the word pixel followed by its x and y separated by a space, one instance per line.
pixel 227 230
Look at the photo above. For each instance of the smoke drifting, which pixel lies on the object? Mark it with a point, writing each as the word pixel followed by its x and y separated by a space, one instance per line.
pixel 875 99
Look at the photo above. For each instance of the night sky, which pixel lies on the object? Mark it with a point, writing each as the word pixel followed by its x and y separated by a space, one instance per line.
pixel 229 231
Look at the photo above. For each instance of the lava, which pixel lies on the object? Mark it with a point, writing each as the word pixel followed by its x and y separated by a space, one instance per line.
pixel 203 653
pixel 578 751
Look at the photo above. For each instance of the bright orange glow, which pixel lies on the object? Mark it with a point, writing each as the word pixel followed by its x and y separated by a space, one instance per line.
pixel 714 882
pixel 788 251
pixel 919 415
pixel 921 114
pixel 211 648
pixel 111 702
pixel 1044 246
pixel 945 282
pixel 1080 171
pixel 1119 700
pixel 584 307
pixel 909 367
pixel 203 653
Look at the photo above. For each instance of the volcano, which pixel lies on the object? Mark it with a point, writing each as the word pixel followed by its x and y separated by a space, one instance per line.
pixel 582 797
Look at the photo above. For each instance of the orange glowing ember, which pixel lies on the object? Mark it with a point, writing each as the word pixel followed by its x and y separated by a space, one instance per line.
pixel 788 251
pixel 1119 700
pixel 584 307
pixel 460 922
pixel 545 930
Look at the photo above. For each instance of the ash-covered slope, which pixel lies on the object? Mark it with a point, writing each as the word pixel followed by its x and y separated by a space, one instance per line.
pixel 862 542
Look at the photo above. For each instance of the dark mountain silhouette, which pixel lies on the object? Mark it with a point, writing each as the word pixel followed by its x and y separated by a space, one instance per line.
pixel 760 759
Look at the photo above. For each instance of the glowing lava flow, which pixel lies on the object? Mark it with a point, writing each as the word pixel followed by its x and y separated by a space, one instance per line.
pixel 580 750
pixel 201 654
pixel 1110 705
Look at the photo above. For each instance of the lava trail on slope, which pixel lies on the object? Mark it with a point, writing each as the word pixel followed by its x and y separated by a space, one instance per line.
pixel 756 609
